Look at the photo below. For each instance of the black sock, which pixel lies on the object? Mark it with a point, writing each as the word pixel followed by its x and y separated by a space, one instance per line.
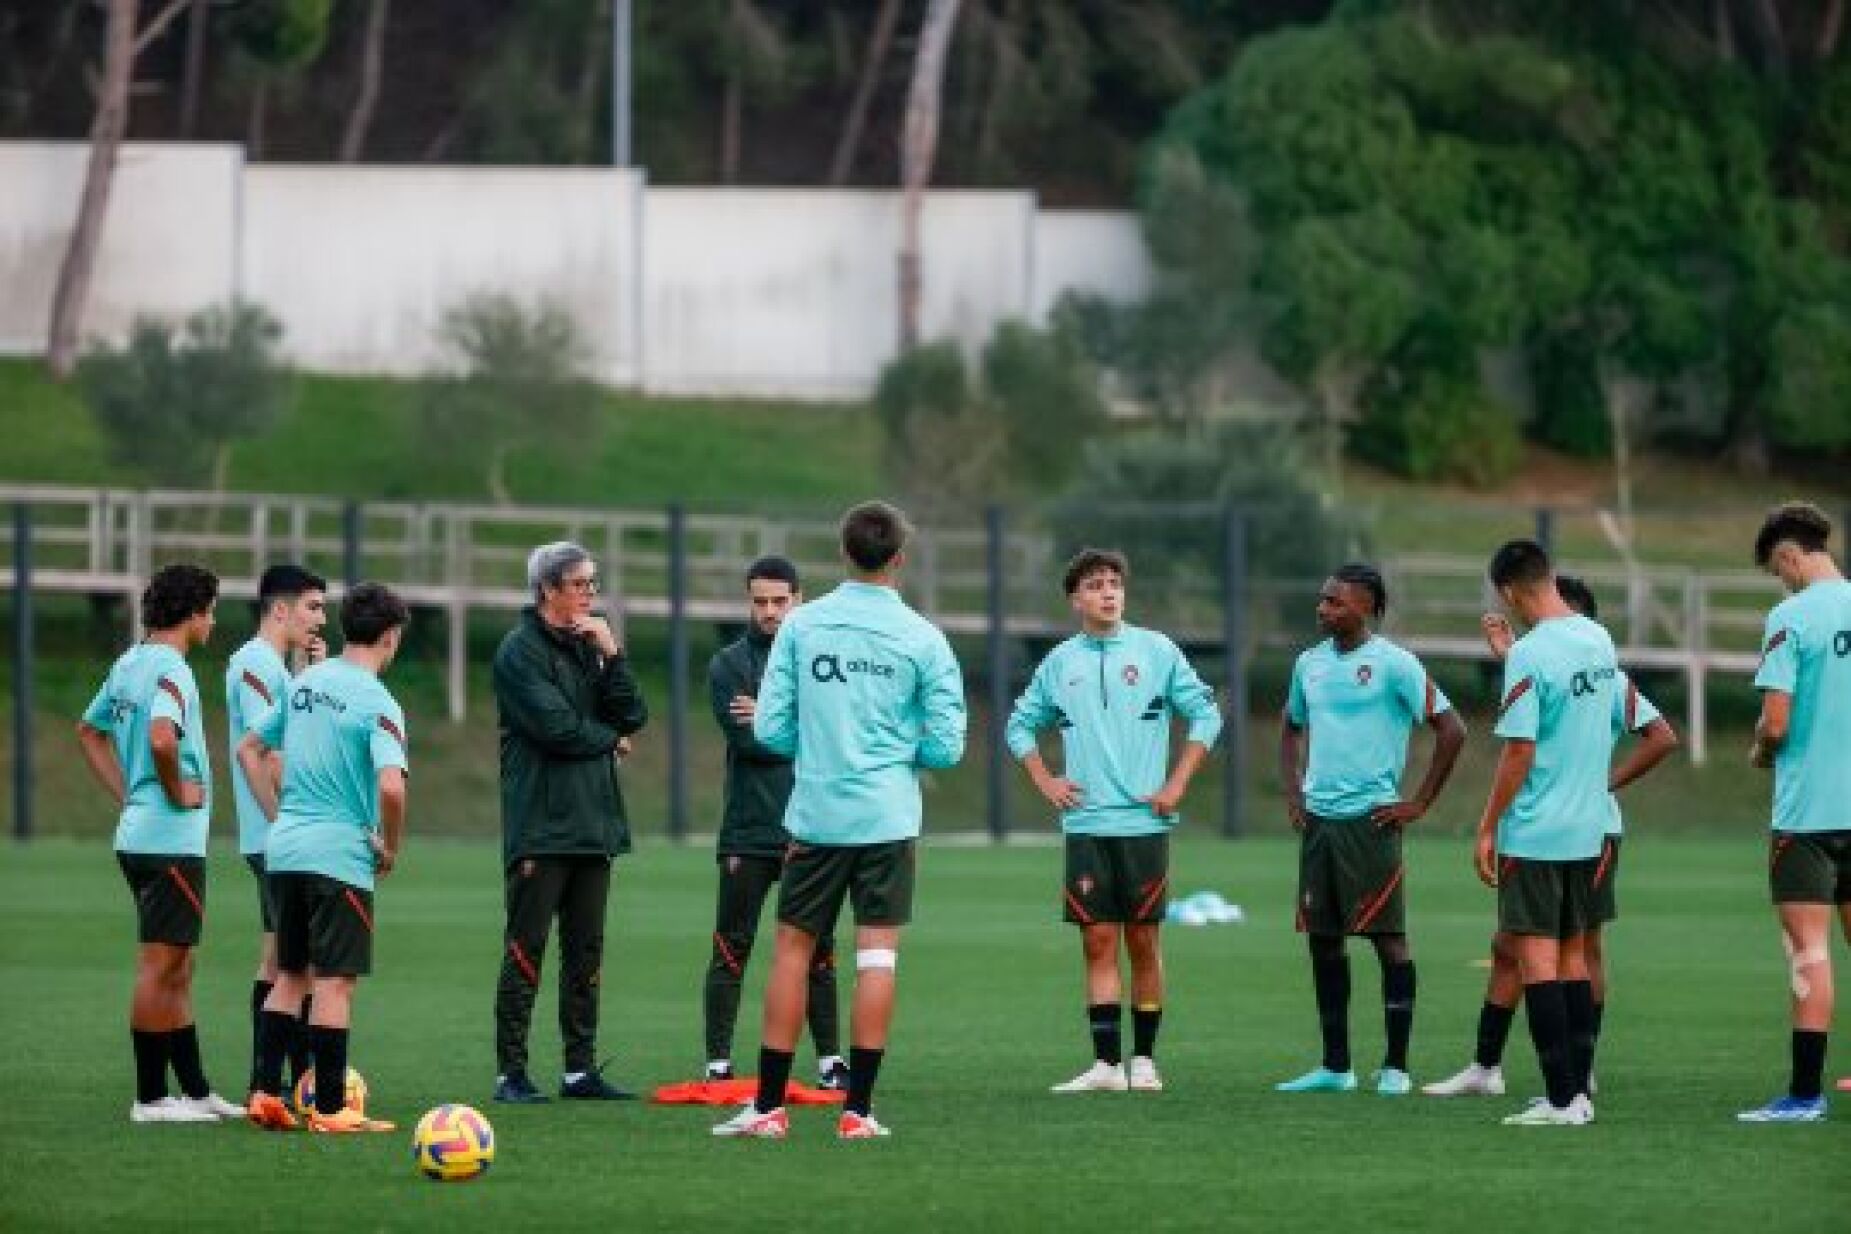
pixel 1600 1019
pixel 1493 1033
pixel 864 1067
pixel 1578 997
pixel 1330 973
pixel 774 1074
pixel 1145 1021
pixel 1808 1065
pixel 276 1033
pixel 260 994
pixel 1547 1010
pixel 1398 987
pixel 1103 1020
pixel 330 1046
pixel 150 1065
pixel 301 1047
pixel 183 1053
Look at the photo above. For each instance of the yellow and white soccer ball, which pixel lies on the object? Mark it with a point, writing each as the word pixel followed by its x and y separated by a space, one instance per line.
pixel 452 1144
pixel 355 1097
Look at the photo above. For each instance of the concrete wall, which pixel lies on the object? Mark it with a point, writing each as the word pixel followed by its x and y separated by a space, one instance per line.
pixel 794 293
pixel 168 244
pixel 761 293
pixel 360 263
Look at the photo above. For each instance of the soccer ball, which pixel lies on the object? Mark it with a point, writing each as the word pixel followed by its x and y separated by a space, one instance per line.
pixel 355 1098
pixel 452 1144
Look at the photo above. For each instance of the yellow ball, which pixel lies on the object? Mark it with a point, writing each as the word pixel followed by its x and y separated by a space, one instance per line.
pixel 355 1097
pixel 452 1144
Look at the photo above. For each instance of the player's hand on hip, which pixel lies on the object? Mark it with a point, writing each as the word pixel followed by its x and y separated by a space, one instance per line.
pixel 1485 858
pixel 1061 792
pixel 624 747
pixel 192 794
pixel 1165 801
pixel 1400 814
pixel 383 857
pixel 1295 811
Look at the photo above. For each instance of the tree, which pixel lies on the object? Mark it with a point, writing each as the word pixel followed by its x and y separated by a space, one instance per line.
pixel 277 41
pixel 873 61
pixel 918 147
pixel 123 41
pixel 372 67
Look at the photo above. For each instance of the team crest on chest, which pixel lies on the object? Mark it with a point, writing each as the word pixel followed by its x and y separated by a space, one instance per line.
pixel 1130 673
pixel 1085 884
pixel 1364 674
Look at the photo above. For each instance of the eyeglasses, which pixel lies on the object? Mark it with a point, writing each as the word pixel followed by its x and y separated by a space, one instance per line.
pixel 584 586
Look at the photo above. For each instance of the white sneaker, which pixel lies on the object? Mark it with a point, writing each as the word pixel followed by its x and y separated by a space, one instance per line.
pixel 1474 1081
pixel 1098 1078
pixel 1143 1077
pixel 1577 1113
pixel 214 1106
pixel 751 1124
pixel 168 1110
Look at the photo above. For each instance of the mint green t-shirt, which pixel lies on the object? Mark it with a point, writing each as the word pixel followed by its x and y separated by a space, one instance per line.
pixel 337 729
pixel 1359 707
pixel 1806 653
pixel 255 681
pixel 1560 683
pixel 1633 712
pixel 149 682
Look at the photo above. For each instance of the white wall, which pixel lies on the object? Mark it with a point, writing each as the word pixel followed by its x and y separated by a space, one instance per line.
pixel 167 246
pixel 794 293
pixel 361 262
pixel 1097 251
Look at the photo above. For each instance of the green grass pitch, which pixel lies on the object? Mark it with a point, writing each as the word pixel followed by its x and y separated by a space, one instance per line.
pixel 989 1017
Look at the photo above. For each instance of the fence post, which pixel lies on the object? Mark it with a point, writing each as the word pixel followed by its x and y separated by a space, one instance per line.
pixel 677 673
pixel 995 526
pixel 1545 528
pixel 351 524
pixel 22 671
pixel 1233 640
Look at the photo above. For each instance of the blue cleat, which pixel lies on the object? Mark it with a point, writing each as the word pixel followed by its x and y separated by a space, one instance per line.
pixel 1393 1082
pixel 1786 1110
pixel 1320 1080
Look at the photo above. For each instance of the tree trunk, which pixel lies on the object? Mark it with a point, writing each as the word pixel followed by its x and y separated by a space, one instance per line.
pixel 106 133
pixel 590 73
pixel 1725 30
pixel 1831 29
pixel 372 66
pixel 1773 38
pixel 918 148
pixel 192 79
pixel 498 475
pixel 880 41
pixel 254 128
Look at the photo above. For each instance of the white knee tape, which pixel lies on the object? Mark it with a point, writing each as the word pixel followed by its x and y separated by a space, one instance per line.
pixel 877 957
pixel 1797 964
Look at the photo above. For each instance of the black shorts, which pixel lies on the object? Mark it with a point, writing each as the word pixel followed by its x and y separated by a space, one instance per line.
pixel 1351 879
pixel 170 896
pixel 1547 899
pixel 1606 882
pixel 877 879
pixel 266 903
pixel 1810 867
pixel 323 924
pixel 1116 879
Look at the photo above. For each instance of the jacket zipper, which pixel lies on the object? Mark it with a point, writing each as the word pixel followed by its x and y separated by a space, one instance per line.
pixel 1105 701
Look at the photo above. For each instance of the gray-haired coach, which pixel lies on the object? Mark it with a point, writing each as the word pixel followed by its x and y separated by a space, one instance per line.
pixel 568 702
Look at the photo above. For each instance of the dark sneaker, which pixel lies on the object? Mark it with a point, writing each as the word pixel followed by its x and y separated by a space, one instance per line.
pixel 592 1086
pixel 834 1077
pixel 719 1072
pixel 517 1089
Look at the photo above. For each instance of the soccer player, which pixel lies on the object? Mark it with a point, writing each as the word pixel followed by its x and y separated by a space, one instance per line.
pixel 1110 691
pixel 863 693
pixel 752 835
pixel 339 826
pixel 292 606
pixel 1354 700
pixel 143 738
pixel 1484 1075
pixel 1544 822
pixel 1805 684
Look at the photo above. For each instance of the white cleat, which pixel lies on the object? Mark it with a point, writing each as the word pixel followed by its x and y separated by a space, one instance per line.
pixel 214 1106
pixel 1474 1081
pixel 1577 1113
pixel 752 1124
pixel 168 1110
pixel 1142 1076
pixel 1098 1078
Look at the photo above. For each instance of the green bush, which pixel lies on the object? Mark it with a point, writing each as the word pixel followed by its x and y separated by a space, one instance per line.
pixel 1429 417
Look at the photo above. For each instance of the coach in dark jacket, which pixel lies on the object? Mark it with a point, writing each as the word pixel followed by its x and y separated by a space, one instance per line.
pixel 752 835
pixel 568 703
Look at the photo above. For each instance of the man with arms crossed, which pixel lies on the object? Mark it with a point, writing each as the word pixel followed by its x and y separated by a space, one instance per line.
pixel 863 693
pixel 1110 690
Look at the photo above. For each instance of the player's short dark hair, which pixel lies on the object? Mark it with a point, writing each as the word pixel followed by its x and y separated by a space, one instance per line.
pixel 370 611
pixel 773 569
pixel 176 594
pixel 1520 563
pixel 1361 574
pixel 1577 595
pixel 1798 522
pixel 873 533
pixel 1090 561
pixel 287 582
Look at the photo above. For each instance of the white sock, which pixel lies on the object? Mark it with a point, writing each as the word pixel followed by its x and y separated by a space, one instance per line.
pixel 573 1077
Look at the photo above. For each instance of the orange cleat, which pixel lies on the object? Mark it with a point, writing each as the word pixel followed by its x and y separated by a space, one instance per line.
pixel 348 1122
pixel 853 1126
pixel 268 1111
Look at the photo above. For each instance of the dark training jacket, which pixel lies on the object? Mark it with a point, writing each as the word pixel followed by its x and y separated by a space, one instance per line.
pixel 758 780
